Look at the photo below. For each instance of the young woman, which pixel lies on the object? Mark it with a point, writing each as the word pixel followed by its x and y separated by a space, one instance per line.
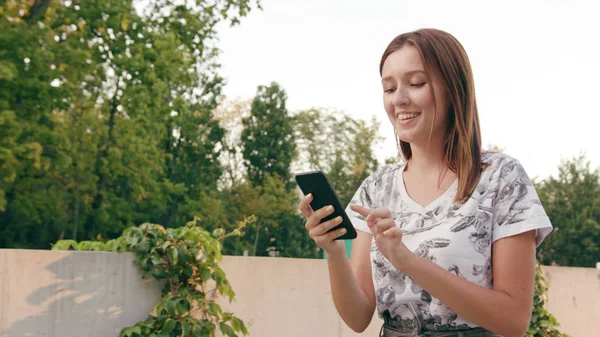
pixel 447 238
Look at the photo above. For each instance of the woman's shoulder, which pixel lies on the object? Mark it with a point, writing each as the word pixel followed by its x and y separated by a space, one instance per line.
pixel 494 161
pixel 492 158
pixel 385 172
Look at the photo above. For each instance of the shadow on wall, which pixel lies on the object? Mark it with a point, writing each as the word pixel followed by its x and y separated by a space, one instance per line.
pixel 81 294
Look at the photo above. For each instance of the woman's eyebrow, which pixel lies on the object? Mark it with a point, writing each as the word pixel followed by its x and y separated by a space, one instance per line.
pixel 406 74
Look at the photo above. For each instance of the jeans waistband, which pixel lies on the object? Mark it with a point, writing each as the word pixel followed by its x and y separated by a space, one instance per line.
pixel 387 331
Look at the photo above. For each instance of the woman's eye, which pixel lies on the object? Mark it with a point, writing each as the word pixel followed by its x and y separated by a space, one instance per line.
pixel 389 91
pixel 417 85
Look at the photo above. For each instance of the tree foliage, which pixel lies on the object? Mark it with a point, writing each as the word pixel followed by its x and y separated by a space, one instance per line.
pixel 106 115
pixel 339 145
pixel 572 201
pixel 268 138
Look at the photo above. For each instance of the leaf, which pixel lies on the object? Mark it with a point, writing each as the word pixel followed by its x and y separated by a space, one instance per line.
pixel 171 306
pixel 235 324
pixel 125 24
pixel 205 274
pixel 182 309
pixel 85 246
pixel 219 276
pixel 185 328
pixel 134 237
pixel 238 325
pixel 165 245
pixel 218 232
pixel 65 245
pixel 159 274
pixel 214 308
pixel 173 254
pixel 168 327
pixel 534 318
pixel 183 256
pixel 126 332
pixel 143 246
pixel 226 329
pixel 8 71
pixel 156 260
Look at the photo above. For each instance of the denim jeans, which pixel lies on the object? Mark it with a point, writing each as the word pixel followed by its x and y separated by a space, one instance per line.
pixel 388 331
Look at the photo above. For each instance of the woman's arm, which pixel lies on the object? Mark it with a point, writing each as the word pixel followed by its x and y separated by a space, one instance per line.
pixel 352 284
pixel 505 309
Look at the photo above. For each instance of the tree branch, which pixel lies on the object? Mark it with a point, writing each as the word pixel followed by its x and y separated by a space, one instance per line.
pixel 38 9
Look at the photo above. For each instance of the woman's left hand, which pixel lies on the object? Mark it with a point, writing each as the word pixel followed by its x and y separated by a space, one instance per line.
pixel 388 237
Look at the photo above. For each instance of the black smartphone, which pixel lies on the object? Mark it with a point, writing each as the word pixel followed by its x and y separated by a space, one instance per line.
pixel 316 182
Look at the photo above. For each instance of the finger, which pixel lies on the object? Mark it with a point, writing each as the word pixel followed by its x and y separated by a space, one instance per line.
pixel 325 226
pixel 315 219
pixel 360 210
pixel 304 206
pixel 372 220
pixel 385 224
pixel 393 232
pixel 333 235
pixel 379 225
pixel 381 213
pixel 372 224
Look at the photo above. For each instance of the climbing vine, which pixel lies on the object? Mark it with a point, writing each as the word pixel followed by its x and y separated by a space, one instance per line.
pixel 185 261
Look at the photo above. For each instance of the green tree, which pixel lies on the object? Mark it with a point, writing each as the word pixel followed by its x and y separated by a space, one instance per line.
pixel 230 114
pixel 278 229
pixel 108 115
pixel 268 137
pixel 292 239
pixel 340 146
pixel 44 91
pixel 572 201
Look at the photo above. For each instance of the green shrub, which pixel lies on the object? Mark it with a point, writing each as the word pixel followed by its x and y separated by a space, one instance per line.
pixel 186 260
pixel 543 323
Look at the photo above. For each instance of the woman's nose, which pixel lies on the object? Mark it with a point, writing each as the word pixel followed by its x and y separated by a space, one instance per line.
pixel 401 97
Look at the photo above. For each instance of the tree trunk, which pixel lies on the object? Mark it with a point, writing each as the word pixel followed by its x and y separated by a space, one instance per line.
pixel 103 152
pixel 38 9
pixel 76 211
pixel 258 227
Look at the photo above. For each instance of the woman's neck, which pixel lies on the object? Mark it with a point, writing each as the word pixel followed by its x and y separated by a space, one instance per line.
pixel 427 160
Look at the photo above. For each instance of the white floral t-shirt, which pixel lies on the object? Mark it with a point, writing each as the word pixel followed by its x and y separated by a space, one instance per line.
pixel 457 237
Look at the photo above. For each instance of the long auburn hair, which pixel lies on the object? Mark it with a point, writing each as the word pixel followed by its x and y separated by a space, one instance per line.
pixel 442 54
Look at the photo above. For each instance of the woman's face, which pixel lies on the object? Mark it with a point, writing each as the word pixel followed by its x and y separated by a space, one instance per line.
pixel 408 101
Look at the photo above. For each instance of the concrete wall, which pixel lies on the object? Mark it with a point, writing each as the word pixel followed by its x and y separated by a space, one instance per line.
pixel 52 294
pixel 286 297
pixel 574 299
pixel 66 294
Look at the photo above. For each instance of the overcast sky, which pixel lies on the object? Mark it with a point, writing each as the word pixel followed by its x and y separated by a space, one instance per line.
pixel 536 65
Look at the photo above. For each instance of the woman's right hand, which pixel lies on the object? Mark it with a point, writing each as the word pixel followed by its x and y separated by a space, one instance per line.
pixel 318 231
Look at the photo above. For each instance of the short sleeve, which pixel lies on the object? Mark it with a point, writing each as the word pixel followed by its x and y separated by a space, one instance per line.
pixel 365 196
pixel 517 207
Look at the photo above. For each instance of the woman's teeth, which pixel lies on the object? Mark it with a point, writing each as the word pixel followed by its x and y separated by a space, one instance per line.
pixel 408 116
